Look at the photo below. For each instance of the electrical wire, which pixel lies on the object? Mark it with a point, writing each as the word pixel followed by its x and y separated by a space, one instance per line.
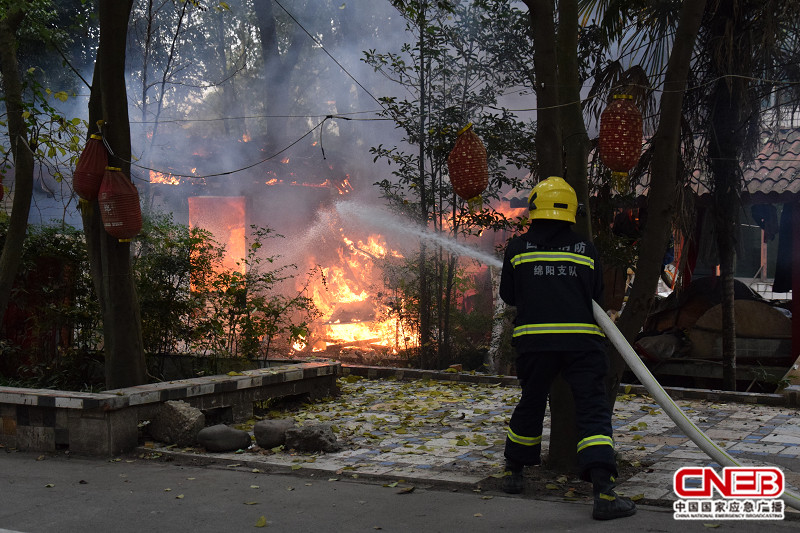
pixel 318 43
pixel 249 117
pixel 228 172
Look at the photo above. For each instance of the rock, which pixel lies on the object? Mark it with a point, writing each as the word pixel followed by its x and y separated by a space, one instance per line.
pixel 314 438
pixel 272 433
pixel 222 438
pixel 177 422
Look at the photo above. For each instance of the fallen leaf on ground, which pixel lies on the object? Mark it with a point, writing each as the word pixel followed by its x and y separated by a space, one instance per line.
pixel 261 522
pixel 407 490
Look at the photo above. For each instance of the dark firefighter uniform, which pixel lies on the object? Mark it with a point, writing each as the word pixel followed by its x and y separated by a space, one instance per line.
pixel 551 275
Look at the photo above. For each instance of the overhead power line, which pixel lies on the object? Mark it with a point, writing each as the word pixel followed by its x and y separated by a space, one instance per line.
pixel 318 43
pixel 227 172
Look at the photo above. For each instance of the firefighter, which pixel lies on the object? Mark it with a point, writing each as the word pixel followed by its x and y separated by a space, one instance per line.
pixel 551 274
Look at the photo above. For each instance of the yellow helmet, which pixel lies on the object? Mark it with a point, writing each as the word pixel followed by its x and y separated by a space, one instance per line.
pixel 553 199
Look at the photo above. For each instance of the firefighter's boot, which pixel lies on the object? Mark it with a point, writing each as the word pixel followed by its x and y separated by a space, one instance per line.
pixel 607 503
pixel 514 482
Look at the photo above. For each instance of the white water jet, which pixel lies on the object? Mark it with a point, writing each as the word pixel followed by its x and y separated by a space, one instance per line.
pixel 380 218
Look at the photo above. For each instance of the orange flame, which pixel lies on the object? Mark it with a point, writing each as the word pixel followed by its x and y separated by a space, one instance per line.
pixel 352 313
pixel 166 179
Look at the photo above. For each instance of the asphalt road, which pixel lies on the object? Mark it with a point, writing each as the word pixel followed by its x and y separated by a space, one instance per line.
pixel 60 493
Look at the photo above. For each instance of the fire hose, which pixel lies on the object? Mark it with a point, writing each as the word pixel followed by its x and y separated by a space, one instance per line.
pixel 670 408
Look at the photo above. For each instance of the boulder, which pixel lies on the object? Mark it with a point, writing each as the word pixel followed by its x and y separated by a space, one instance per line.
pixel 272 433
pixel 177 422
pixel 314 438
pixel 222 438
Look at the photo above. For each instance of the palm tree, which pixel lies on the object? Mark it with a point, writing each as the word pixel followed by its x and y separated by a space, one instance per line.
pixel 744 48
pixel 560 130
pixel 741 45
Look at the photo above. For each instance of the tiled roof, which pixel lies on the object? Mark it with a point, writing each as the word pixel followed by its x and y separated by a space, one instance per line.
pixel 774 176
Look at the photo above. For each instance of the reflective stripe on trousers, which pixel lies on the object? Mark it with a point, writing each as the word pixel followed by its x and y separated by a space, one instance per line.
pixel 595 440
pixel 524 441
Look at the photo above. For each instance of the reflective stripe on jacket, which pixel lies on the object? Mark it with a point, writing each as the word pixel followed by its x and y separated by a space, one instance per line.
pixel 551 275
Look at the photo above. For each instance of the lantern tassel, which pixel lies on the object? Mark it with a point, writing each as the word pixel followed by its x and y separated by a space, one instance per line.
pixel 85 206
pixel 464 129
pixel 475 204
pixel 620 181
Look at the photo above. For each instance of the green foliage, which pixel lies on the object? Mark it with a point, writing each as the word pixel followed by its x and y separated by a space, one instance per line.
pixel 52 325
pixel 168 257
pixel 242 313
pixel 454 74
pixel 55 139
pixel 188 302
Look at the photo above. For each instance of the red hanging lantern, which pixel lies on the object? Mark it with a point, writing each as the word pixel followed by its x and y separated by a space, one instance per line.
pixel 620 140
pixel 119 205
pixel 90 168
pixel 467 166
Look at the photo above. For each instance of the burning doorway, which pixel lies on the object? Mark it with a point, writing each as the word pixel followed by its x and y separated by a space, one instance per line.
pixel 225 217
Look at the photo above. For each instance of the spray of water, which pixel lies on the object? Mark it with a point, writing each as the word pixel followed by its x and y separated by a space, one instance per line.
pixel 389 223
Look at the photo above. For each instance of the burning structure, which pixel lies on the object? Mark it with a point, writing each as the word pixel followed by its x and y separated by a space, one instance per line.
pixel 339 265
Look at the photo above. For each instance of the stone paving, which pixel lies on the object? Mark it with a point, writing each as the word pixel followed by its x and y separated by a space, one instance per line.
pixel 454 432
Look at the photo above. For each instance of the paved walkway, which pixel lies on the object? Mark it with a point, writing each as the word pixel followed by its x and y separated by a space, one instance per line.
pixel 418 455
pixel 453 432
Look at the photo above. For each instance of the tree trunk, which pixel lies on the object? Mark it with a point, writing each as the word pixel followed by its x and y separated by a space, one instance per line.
pixel 575 138
pixel 278 70
pixel 23 156
pixel 425 319
pixel 725 168
pixel 730 54
pixel 562 455
pixel 661 199
pixel 545 63
pixel 111 260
